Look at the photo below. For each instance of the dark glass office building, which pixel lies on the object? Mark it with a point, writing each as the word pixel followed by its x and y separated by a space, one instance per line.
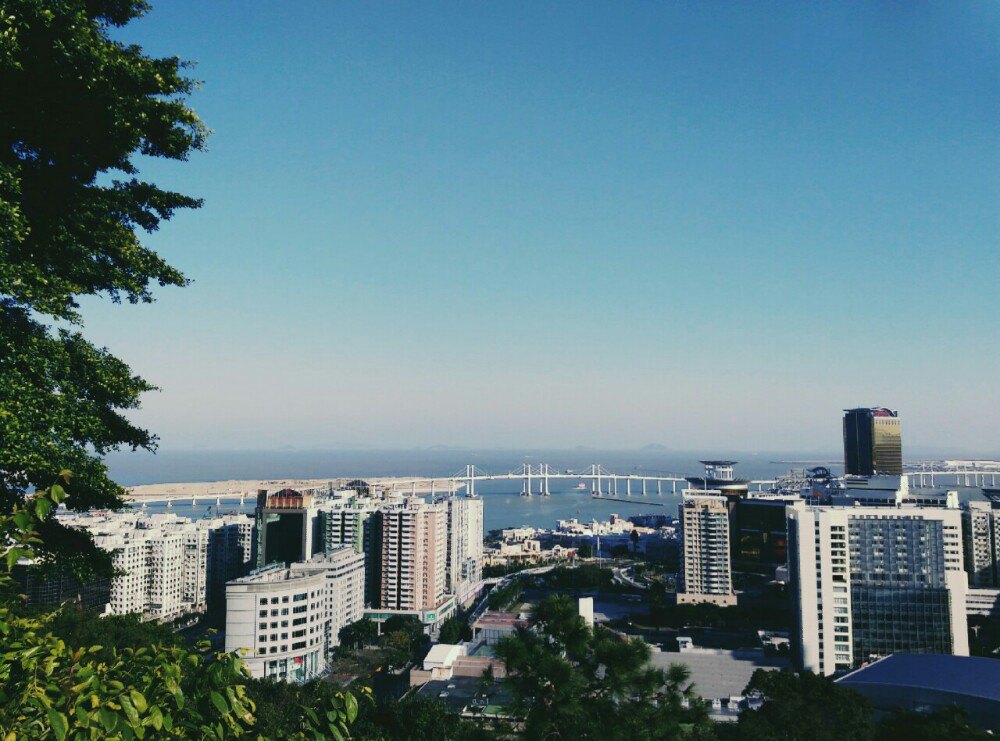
pixel 872 443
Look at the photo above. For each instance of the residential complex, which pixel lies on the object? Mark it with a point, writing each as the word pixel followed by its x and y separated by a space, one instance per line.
pixel 168 566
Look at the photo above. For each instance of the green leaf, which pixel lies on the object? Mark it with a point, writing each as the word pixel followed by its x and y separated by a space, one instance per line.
pixel 58 724
pixel 352 707
pixel 42 508
pixel 335 732
pixel 109 719
pixel 130 713
pixel 57 493
pixel 219 701
pixel 138 699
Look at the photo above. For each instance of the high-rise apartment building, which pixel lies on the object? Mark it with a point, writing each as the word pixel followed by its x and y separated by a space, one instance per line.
pixel 981 538
pixel 872 442
pixel 165 567
pixel 414 558
pixel 872 581
pixel 357 525
pixel 464 562
pixel 707 572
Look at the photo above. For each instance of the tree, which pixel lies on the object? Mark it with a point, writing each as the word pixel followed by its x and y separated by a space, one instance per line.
pixel 585 550
pixel 398 647
pixel 287 711
pixel 634 537
pixel 949 723
pixel 569 681
pixel 804 706
pixel 454 630
pixel 414 719
pixel 76 107
pixel 359 634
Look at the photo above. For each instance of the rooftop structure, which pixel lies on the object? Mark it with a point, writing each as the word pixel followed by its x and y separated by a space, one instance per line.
pixel 929 682
pixel 719 676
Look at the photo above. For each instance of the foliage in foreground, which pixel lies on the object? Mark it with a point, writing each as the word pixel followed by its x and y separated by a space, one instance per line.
pixel 54 683
pixel 569 681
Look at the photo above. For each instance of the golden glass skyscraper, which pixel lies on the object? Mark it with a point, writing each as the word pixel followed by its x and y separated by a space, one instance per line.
pixel 872 442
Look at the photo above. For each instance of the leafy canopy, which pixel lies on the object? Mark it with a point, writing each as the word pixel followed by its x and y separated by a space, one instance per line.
pixel 77 108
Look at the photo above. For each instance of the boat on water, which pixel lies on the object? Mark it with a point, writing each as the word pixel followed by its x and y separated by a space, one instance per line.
pixel 581 486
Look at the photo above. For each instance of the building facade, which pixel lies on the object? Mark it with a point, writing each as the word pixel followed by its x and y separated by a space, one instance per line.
pixel 414 557
pixel 706 568
pixel 872 442
pixel 871 581
pixel 344 597
pixel 357 525
pixel 464 559
pixel 276 619
pixel 981 538
pixel 288 527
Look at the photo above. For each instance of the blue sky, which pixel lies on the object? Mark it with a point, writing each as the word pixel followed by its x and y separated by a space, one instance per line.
pixel 704 225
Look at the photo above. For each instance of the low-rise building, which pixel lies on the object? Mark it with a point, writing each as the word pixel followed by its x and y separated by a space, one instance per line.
pixel 277 619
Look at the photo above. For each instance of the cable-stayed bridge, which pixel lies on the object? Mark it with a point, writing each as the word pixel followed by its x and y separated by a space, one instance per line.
pixel 601 482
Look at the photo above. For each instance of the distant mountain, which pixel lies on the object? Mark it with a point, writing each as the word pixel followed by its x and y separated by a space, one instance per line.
pixel 655 448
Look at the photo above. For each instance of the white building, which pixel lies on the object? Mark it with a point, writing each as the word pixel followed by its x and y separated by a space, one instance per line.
pixel 128 588
pixel 706 567
pixel 276 619
pixel 464 560
pixel 166 564
pixel 870 581
pixel 344 569
pixel 981 537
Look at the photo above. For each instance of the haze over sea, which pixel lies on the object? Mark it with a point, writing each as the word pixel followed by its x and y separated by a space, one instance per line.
pixel 503 504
